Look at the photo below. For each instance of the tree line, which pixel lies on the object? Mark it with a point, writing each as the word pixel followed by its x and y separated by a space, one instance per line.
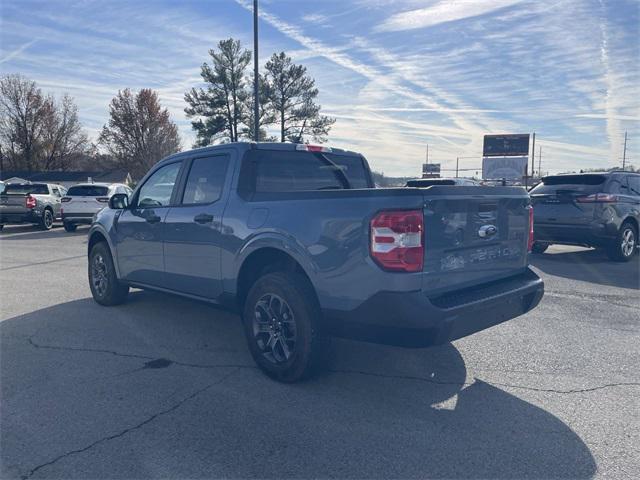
pixel 223 110
pixel 41 132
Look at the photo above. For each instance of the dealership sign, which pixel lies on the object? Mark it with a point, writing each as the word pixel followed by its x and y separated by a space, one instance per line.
pixel 431 168
pixel 506 145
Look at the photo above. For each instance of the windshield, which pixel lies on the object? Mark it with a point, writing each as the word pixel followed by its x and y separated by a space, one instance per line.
pixel 88 191
pixel 24 188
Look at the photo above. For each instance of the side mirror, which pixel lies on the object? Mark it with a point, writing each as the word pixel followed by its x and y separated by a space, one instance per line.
pixel 119 201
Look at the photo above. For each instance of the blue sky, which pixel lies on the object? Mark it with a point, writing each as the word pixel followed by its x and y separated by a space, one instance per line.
pixel 396 74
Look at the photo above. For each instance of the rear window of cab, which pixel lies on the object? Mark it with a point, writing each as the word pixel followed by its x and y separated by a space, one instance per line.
pixel 88 191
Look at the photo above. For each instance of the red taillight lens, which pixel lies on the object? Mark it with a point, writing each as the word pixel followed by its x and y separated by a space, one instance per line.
pixel 530 240
pixel 397 240
pixel 30 202
pixel 103 199
pixel 598 198
pixel 65 199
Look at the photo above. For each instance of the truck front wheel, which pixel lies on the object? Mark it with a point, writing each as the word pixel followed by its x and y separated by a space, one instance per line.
pixel 281 320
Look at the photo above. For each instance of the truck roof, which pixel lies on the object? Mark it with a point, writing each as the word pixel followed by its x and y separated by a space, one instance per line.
pixel 244 146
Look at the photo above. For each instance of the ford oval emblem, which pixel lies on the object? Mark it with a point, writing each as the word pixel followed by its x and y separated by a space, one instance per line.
pixel 487 231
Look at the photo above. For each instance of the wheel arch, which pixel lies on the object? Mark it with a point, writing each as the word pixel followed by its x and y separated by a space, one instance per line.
pixel 633 221
pixel 96 235
pixel 263 260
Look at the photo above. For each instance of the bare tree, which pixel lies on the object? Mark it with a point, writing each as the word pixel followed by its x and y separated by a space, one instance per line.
pixel 218 109
pixel 292 95
pixel 140 132
pixel 64 140
pixel 36 132
pixel 23 113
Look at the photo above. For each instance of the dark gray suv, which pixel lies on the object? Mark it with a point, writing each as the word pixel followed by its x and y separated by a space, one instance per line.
pixel 599 210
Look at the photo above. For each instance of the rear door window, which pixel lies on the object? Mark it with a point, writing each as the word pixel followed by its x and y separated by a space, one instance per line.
pixel 205 180
pixel 634 184
pixel 618 184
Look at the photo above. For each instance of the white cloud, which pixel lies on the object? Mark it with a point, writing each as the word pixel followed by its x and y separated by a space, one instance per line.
pixel 442 12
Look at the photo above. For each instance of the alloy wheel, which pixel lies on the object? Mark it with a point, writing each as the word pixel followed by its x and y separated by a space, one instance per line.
pixel 99 275
pixel 274 328
pixel 628 242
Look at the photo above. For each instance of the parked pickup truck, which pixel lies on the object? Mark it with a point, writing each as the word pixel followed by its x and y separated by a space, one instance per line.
pixel 37 203
pixel 296 239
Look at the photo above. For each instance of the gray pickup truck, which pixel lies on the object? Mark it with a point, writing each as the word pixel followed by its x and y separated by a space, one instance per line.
pixel 297 239
pixel 37 203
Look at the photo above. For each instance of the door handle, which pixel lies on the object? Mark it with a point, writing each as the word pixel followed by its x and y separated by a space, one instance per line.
pixel 203 218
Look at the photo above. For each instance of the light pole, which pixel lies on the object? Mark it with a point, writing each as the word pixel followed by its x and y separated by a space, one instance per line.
pixel 624 152
pixel 464 169
pixel 256 79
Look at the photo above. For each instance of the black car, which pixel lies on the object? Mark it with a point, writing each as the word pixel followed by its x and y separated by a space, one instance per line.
pixel 599 210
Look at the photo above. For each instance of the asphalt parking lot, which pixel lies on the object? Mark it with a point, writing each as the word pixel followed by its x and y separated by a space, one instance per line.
pixel 165 387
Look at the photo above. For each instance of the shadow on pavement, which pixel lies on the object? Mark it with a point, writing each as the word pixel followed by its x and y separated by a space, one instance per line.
pixel 24 232
pixel 589 265
pixel 165 387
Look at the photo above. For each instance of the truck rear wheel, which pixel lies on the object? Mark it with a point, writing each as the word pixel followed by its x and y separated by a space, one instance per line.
pixel 70 227
pixel 46 222
pixel 281 319
pixel 625 244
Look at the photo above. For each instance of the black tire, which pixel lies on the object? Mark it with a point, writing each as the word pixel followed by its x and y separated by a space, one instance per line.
pixel 70 227
pixel 105 287
pixel 624 247
pixel 296 314
pixel 539 247
pixel 46 222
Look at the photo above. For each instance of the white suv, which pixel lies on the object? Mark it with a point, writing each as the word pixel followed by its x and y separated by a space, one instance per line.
pixel 84 200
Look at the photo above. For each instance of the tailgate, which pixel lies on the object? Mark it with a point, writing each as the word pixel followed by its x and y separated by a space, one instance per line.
pixel 562 207
pixel 13 204
pixel 82 204
pixel 473 235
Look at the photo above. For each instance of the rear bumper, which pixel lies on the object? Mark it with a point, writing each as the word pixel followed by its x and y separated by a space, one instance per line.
pixel 593 234
pixel 31 216
pixel 78 217
pixel 413 319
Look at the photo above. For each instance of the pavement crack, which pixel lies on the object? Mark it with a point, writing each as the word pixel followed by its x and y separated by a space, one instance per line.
pixel 13 267
pixel 495 384
pixel 152 362
pixel 571 391
pixel 90 350
pixel 124 432
pixel 400 377
pixel 617 300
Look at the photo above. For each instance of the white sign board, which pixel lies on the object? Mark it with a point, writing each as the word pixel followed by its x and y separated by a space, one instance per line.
pixel 510 168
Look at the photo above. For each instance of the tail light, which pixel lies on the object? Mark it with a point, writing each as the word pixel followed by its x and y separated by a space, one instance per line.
pixel 598 198
pixel 30 202
pixel 65 199
pixel 103 199
pixel 397 240
pixel 530 240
